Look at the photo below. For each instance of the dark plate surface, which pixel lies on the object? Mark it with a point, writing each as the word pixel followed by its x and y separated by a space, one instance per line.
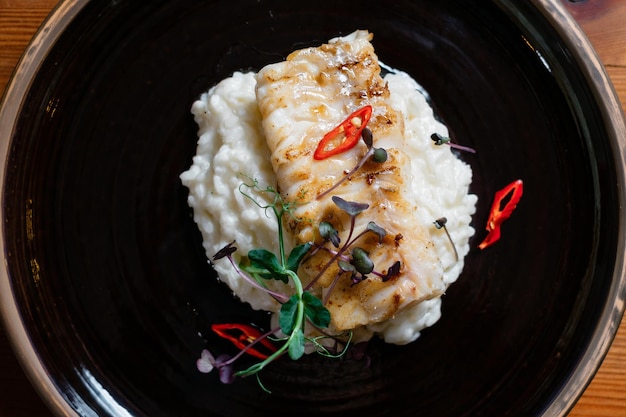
pixel 106 264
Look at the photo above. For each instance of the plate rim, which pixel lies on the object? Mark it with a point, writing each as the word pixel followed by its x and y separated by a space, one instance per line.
pixel 611 109
pixel 17 87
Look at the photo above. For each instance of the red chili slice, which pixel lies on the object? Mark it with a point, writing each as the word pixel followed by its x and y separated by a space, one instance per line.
pixel 345 136
pixel 499 214
pixel 244 335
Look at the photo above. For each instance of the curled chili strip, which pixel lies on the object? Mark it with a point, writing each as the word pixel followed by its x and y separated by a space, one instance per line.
pixel 243 336
pixel 500 213
pixel 345 136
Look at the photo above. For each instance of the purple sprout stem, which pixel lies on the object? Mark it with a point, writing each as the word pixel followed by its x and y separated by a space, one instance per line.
pixel 369 153
pixel 281 298
pixel 461 147
pixel 331 287
pixel 332 252
pixel 334 258
pixel 244 350
pixel 337 255
pixel 344 258
pixel 456 254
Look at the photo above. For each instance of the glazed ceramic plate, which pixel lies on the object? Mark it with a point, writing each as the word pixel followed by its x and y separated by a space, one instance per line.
pixel 107 293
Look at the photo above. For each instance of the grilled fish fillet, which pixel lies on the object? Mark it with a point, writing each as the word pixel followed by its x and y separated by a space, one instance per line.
pixel 301 99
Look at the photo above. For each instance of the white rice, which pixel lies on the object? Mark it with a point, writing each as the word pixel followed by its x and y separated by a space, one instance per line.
pixel 231 150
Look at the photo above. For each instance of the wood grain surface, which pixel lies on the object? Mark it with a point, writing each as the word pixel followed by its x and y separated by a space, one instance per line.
pixel 603 21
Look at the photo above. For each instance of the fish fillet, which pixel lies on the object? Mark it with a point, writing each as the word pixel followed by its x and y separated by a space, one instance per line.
pixel 301 99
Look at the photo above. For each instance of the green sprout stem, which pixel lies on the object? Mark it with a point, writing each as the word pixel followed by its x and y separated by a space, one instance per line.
pixel 301 306
pixel 298 324
pixel 282 268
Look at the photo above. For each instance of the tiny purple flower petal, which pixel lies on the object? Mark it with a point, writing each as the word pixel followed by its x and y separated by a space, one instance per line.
pixel 227 372
pixel 206 362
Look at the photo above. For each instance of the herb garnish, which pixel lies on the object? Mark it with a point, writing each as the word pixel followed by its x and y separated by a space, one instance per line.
pixel 358 264
pixel 302 306
pixel 443 140
pixel 440 223
pixel 378 155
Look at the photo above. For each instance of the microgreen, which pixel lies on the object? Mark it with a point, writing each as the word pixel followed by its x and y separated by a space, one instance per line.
pixel 439 139
pixel 379 231
pixel 329 233
pixel 378 155
pixel 358 263
pixel 440 223
pixel 301 306
pixel 227 252
pixel 261 265
pixel 351 207
pixel 361 261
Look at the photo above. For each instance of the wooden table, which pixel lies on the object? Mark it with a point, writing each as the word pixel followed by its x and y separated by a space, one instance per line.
pixel 602 20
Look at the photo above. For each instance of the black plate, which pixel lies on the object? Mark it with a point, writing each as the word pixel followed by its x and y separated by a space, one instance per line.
pixel 106 265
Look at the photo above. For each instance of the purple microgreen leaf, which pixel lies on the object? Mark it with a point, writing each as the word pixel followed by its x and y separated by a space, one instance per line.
pixel 361 261
pixel 380 155
pixel 368 137
pixel 393 271
pixel 350 207
pixel 439 139
pixel 346 266
pixel 206 362
pixel 441 222
pixel 226 369
pixel 373 227
pixel 225 252
pixel 443 140
pixel 328 232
